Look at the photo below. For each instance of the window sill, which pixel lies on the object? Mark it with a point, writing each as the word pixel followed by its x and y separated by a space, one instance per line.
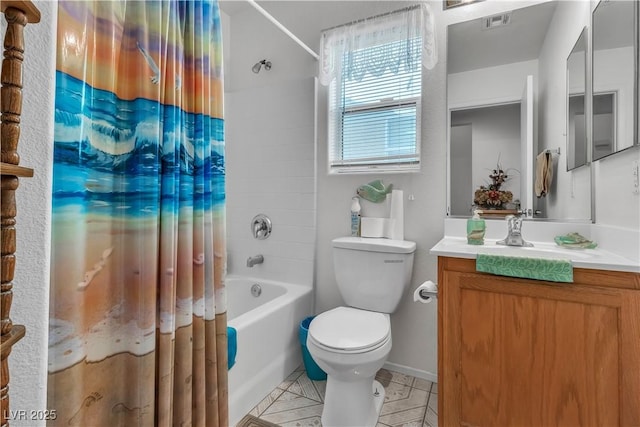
pixel 379 169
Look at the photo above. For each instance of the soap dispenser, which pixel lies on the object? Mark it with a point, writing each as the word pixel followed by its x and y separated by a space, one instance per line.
pixel 355 217
pixel 475 229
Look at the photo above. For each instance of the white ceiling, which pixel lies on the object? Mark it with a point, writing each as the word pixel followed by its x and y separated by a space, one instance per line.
pixel 307 19
pixel 613 25
pixel 470 47
pixel 232 7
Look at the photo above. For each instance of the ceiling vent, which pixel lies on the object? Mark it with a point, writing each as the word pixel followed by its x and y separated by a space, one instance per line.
pixel 496 21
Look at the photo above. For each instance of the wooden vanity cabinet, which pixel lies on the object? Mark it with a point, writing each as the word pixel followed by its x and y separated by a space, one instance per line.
pixel 519 352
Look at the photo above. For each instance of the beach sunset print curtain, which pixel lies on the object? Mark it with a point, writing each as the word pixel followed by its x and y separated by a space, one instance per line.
pixel 137 331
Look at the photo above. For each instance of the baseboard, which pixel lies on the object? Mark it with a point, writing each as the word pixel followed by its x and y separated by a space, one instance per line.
pixel 418 373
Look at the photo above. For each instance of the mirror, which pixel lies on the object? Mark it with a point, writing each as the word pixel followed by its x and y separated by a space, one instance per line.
pixel 615 81
pixel 576 119
pixel 507 107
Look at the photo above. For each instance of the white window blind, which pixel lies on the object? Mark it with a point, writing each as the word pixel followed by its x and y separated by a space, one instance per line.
pixel 375 81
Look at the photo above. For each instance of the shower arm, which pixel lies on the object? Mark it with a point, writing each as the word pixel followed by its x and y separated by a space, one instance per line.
pixel 283 28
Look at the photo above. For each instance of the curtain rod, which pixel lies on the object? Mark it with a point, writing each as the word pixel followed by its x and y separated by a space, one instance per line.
pixel 358 21
pixel 283 28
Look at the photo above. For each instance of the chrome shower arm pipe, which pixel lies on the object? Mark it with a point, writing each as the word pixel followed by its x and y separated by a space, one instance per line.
pixel 283 28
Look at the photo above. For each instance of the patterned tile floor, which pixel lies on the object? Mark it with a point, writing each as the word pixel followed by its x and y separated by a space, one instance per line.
pixel 409 402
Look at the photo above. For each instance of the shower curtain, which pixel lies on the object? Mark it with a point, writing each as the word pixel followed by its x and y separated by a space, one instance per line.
pixel 137 331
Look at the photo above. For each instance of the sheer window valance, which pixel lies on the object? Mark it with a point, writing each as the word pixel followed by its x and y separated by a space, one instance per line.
pixel 373 72
pixel 351 42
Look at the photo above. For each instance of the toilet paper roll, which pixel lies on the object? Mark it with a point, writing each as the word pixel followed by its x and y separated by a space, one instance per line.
pixel 372 227
pixel 425 292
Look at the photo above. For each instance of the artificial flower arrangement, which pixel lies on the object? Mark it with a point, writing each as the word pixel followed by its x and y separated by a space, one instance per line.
pixel 491 196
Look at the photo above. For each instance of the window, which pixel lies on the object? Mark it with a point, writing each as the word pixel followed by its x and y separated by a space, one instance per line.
pixel 375 83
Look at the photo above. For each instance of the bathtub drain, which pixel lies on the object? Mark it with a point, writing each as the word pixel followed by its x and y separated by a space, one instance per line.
pixel 256 290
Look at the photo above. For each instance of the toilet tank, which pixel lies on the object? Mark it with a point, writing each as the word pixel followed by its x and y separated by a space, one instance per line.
pixel 372 274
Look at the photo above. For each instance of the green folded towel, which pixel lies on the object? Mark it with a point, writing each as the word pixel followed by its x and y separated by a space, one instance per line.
pixel 574 241
pixel 554 270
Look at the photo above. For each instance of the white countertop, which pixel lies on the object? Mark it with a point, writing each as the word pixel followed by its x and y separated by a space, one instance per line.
pixel 453 245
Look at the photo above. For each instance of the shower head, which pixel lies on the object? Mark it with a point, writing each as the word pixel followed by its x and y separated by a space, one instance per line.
pixel 259 64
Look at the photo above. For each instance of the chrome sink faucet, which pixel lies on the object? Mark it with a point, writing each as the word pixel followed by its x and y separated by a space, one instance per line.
pixel 514 235
pixel 253 260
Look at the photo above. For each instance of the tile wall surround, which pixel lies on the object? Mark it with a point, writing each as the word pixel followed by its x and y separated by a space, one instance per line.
pixel 270 170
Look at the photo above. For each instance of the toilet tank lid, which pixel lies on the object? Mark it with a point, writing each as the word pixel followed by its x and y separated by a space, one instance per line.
pixel 372 244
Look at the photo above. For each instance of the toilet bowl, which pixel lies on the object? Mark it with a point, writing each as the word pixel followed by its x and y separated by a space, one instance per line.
pixel 350 345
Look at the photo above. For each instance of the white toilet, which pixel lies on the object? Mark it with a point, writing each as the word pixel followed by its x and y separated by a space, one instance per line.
pixel 352 343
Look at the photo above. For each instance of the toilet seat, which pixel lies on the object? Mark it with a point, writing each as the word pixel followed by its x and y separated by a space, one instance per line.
pixel 350 330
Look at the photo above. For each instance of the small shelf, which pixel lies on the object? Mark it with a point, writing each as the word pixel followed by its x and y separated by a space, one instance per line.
pixel 497 212
pixel 29 9
pixel 8 340
pixel 15 170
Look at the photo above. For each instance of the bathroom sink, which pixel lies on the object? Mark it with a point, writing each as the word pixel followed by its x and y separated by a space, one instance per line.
pixel 456 246
pixel 539 250
pixel 606 256
pixel 598 258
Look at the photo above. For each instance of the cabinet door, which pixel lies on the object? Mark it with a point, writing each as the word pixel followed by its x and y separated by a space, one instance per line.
pixel 525 353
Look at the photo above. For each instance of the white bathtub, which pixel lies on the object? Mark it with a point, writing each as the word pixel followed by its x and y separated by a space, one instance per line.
pixel 268 345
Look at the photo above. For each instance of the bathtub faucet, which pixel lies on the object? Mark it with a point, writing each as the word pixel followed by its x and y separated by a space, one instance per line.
pixel 253 260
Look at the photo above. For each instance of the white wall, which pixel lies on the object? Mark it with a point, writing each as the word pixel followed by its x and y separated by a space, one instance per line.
pixel 414 326
pixel 613 72
pixel 491 85
pixel 28 360
pixel 254 38
pixel 461 186
pixel 495 137
pixel 576 127
pixel 573 186
pixel 617 204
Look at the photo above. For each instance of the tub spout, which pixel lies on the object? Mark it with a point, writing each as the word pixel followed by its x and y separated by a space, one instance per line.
pixel 253 260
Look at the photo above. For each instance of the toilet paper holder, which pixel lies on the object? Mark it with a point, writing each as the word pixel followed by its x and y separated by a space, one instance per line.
pixel 425 293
